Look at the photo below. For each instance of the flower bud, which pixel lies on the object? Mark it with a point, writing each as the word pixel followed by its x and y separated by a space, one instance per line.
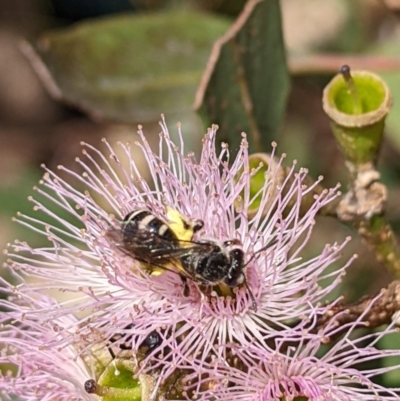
pixel 357 105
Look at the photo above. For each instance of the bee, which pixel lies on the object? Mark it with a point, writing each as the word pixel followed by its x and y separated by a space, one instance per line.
pixel 159 245
pixel 153 242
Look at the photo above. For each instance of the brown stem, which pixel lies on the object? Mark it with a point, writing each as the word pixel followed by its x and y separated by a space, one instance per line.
pixel 374 311
pixel 363 208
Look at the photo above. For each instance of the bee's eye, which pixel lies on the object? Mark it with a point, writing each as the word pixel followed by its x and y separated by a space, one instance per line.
pixel 235 274
pixel 237 258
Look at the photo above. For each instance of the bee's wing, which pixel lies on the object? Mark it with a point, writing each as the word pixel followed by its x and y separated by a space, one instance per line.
pixel 148 248
pixel 186 248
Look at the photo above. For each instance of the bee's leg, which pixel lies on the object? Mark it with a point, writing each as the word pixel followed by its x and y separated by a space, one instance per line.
pixel 186 289
pixel 123 345
pixel 110 350
pixel 111 341
pixel 197 225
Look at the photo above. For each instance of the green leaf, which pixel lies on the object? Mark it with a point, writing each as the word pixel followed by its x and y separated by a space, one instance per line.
pixel 246 82
pixel 128 68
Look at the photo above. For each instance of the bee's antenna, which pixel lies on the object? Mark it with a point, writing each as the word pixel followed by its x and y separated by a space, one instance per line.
pixel 264 248
pixel 253 299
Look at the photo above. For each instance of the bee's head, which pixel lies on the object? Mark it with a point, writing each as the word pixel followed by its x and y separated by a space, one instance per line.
pixel 235 276
pixel 212 264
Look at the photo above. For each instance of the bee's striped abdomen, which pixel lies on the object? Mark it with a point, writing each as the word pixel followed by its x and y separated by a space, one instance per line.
pixel 144 220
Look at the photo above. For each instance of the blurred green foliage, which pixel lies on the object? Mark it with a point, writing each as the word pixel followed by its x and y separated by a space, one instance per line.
pixel 129 68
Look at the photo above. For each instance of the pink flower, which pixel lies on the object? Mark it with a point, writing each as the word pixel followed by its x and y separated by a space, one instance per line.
pixel 300 370
pixel 32 367
pixel 115 295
